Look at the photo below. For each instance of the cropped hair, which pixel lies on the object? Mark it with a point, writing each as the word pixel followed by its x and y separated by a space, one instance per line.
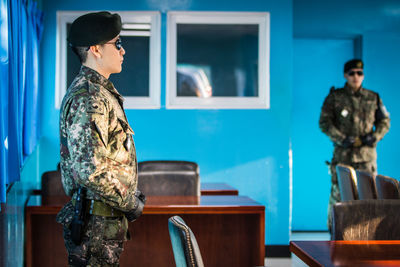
pixel 81 52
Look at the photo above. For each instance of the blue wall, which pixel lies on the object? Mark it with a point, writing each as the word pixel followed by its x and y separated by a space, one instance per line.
pixel 317 65
pixel 325 27
pixel 248 149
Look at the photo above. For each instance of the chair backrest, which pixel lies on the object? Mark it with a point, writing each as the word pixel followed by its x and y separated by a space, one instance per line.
pixel 184 244
pixel 51 184
pixel 387 187
pixel 365 185
pixel 169 178
pixel 370 219
pixel 347 181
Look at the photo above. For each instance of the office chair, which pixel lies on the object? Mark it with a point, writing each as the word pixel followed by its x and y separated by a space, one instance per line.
pixel 184 244
pixel 52 187
pixel 51 184
pixel 387 187
pixel 169 178
pixel 347 182
pixel 369 219
pixel 365 185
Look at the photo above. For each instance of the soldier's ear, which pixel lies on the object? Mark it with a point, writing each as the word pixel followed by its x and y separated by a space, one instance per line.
pixel 95 50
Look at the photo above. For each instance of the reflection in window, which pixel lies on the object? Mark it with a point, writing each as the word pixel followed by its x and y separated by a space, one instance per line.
pixel 218 60
pixel 193 81
pixel 230 52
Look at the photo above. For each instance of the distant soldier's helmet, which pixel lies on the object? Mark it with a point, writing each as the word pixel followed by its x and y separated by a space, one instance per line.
pixel 94 28
pixel 353 64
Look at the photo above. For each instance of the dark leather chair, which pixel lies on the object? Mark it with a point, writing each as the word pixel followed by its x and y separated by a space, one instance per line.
pixel 387 187
pixel 347 182
pixel 51 184
pixel 370 219
pixel 184 244
pixel 169 178
pixel 52 187
pixel 365 185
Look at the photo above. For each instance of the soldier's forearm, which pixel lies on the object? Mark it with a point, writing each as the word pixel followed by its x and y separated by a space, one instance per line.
pixel 380 131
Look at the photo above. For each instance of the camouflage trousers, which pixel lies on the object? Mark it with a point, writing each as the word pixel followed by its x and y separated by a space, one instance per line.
pixel 102 241
pixel 335 195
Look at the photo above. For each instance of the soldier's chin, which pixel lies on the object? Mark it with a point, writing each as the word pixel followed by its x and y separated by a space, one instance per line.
pixel 118 71
pixel 355 85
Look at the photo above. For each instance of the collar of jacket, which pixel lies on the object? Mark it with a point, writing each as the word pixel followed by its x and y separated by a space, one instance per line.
pixel 96 77
pixel 350 91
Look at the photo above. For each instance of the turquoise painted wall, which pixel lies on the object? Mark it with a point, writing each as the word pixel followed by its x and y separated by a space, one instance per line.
pixel 311 148
pixel 248 149
pixel 373 28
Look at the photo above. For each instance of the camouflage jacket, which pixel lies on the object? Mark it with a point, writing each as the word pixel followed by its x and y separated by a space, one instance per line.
pixel 97 148
pixel 347 113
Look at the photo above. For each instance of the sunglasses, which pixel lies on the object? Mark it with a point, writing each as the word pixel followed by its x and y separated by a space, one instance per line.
pixel 117 43
pixel 352 73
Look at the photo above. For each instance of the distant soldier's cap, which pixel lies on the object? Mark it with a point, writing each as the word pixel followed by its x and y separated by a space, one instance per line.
pixel 353 64
pixel 94 28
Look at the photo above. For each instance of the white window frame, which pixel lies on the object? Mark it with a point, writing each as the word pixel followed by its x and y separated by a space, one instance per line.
pixel 131 102
pixel 181 17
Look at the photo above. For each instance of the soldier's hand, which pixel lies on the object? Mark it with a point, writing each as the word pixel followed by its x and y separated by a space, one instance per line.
pixel 135 213
pixel 368 140
pixel 357 142
pixel 348 142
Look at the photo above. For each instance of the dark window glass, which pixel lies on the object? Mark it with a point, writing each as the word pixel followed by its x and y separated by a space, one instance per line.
pixel 134 78
pixel 217 60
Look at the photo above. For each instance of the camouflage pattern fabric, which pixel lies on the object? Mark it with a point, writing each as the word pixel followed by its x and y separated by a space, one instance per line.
pixel 102 243
pixel 348 113
pixel 97 148
pixel 98 153
pixel 345 113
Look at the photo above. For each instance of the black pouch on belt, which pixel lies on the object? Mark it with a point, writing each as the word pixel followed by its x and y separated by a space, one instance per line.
pixel 78 220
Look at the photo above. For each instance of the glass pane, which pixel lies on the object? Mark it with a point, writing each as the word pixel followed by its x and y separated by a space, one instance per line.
pixel 217 60
pixel 73 63
pixel 134 78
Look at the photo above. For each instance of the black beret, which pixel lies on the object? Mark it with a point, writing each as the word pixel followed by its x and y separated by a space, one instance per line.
pixel 353 64
pixel 94 28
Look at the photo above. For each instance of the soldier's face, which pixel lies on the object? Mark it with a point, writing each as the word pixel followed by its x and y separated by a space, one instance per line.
pixel 354 78
pixel 112 56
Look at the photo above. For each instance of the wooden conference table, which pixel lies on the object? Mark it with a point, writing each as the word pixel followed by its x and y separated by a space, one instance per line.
pixel 228 229
pixel 348 253
pixel 208 189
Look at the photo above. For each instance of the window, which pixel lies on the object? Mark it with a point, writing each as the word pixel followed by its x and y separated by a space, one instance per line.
pixel 218 60
pixel 139 81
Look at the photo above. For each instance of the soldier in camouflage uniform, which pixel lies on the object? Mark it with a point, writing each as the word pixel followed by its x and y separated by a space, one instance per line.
pixel 355 119
pixel 97 148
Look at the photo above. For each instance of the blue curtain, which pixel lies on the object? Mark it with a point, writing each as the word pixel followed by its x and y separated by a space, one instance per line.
pixel 3 97
pixel 19 96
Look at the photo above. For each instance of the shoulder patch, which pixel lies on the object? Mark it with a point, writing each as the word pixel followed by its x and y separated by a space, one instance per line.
pixel 95 106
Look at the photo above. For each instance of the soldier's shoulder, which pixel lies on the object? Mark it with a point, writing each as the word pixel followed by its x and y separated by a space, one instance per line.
pixel 370 92
pixel 335 92
pixel 83 100
pixel 85 90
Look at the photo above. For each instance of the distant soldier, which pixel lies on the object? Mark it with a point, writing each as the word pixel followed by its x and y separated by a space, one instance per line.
pixel 355 119
pixel 98 157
